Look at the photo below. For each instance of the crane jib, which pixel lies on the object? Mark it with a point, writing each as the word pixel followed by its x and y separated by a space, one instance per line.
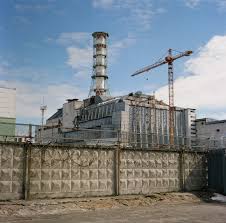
pixel 146 69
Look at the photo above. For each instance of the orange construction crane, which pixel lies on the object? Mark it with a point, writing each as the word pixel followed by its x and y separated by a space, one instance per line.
pixel 168 60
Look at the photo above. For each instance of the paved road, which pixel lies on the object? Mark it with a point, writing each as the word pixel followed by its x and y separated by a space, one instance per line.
pixel 195 213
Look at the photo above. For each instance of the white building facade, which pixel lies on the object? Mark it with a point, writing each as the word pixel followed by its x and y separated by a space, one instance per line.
pixel 7 103
pixel 7 113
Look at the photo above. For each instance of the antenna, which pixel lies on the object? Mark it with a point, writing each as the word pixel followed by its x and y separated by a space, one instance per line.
pixel 43 108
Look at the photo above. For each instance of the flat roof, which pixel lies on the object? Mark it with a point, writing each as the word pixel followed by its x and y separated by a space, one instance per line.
pixel 216 122
pixel 210 121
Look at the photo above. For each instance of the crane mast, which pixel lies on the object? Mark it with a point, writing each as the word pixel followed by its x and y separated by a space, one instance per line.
pixel 168 60
pixel 171 99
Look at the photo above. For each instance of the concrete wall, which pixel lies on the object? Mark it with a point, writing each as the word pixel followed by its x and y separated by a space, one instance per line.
pixel 11 171
pixel 195 171
pixel 62 172
pixel 144 172
pixel 35 171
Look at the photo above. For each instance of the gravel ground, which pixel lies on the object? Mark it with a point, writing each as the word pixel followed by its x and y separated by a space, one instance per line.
pixel 167 207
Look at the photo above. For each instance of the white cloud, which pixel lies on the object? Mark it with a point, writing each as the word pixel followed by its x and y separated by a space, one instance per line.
pixel 4 67
pixel 192 3
pixel 219 115
pixel 22 7
pixel 115 48
pixel 83 73
pixel 80 52
pixel 78 46
pixel 29 97
pixel 32 86
pixel 102 3
pixel 136 13
pixel 79 57
pixel 74 38
pixel 22 20
pixel 7 71
pixel 221 4
pixel 205 87
pixel 35 6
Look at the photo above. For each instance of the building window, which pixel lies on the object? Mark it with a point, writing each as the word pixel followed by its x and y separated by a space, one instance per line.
pixel 218 130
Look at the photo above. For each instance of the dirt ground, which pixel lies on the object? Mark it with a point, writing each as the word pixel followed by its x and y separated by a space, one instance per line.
pixel 164 207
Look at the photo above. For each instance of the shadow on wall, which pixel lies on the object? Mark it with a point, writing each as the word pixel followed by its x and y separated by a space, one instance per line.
pixel 195 171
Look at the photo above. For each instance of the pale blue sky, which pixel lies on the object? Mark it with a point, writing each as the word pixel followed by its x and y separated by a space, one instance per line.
pixel 45 50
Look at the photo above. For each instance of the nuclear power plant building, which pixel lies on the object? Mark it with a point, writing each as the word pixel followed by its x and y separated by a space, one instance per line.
pixel 138 117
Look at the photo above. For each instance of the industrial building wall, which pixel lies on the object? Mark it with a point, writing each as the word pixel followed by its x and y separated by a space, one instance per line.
pixel 7 127
pixel 145 120
pixel 138 122
pixel 190 127
pixel 48 135
pixel 37 171
pixel 217 130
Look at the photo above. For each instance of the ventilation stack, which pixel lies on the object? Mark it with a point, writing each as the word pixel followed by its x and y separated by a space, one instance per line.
pixel 99 77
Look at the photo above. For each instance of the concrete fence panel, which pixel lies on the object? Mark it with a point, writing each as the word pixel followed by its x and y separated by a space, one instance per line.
pixel 195 171
pixel 12 171
pixel 145 172
pixel 43 171
pixel 71 172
